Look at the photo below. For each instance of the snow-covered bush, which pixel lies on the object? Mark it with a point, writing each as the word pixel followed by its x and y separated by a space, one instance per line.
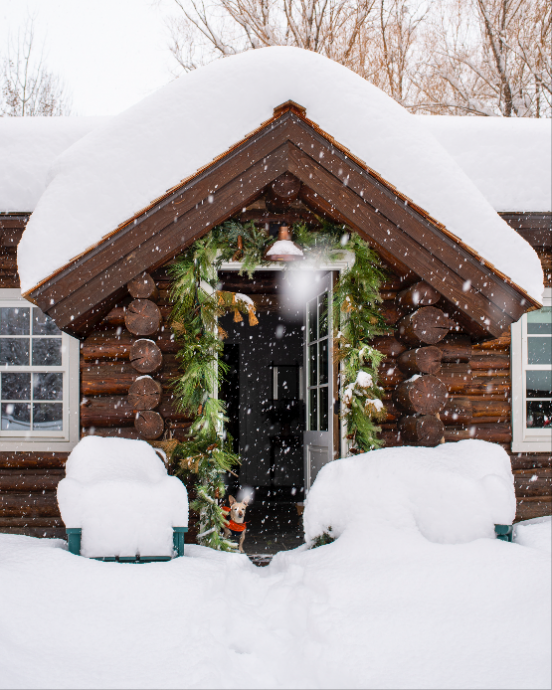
pixel 118 491
pixel 450 494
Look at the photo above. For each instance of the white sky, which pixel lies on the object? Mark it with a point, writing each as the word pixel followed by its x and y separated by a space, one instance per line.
pixel 110 53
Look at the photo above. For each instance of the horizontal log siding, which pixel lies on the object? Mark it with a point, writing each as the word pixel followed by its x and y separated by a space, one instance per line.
pixel 28 481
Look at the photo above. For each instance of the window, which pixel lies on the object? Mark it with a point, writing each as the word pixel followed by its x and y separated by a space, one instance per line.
pixel 318 363
pixel 532 380
pixel 39 386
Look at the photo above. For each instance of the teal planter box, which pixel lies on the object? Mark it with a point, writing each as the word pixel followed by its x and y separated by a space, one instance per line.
pixel 74 537
pixel 504 532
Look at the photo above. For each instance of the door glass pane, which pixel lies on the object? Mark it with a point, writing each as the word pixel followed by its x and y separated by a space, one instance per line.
pixel 47 417
pixel 16 416
pixel 14 320
pixel 48 386
pixel 16 386
pixel 539 414
pixel 47 352
pixel 540 322
pixel 312 320
pixel 323 315
pixel 539 350
pixel 43 325
pixel 323 361
pixel 313 409
pixel 324 409
pixel 539 384
pixel 313 368
pixel 14 352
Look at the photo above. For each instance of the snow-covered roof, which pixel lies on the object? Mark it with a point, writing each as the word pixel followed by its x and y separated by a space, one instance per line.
pixel 120 168
pixel 28 147
pixel 508 159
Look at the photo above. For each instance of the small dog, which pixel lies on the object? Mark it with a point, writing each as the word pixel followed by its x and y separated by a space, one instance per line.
pixel 236 526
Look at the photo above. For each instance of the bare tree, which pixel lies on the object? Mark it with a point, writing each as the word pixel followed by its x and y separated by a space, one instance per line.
pixel 26 86
pixel 386 54
pixel 225 27
pixel 479 57
pixel 493 59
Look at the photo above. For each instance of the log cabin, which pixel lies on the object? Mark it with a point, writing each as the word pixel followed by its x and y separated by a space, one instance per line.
pixel 94 211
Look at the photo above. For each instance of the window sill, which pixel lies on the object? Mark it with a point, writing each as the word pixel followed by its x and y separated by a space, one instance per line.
pixel 539 444
pixel 38 446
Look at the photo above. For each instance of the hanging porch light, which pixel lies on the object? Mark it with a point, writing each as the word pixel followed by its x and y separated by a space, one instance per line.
pixel 284 249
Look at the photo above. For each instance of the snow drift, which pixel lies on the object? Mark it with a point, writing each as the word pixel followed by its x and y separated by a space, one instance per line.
pixel 412 594
pixel 120 168
pixel 28 147
pixel 507 158
pixel 118 491
pixel 450 494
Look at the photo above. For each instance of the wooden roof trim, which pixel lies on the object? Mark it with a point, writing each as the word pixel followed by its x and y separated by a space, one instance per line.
pixel 300 112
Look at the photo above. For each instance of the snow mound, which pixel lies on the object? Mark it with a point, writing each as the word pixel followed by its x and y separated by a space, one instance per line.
pixel 535 533
pixel 137 156
pixel 118 491
pixel 452 494
pixel 508 159
pixel 28 147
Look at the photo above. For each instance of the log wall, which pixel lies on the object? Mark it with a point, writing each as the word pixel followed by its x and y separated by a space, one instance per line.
pixel 476 379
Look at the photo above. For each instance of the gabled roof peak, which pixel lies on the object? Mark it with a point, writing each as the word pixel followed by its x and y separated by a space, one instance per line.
pixel 118 169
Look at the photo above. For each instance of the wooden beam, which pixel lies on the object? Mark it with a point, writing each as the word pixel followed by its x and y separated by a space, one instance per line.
pixel 405 236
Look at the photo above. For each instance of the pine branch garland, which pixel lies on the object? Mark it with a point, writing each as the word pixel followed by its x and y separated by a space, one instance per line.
pixel 197 306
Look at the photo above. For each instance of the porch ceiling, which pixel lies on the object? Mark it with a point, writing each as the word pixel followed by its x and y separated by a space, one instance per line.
pixel 334 182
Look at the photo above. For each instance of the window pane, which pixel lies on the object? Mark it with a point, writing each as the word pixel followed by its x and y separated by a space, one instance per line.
pixel 14 320
pixel 43 324
pixel 16 416
pixel 47 352
pixel 312 320
pixel 324 409
pixel 47 417
pixel 323 361
pixel 540 321
pixel 16 386
pixel 539 384
pixel 14 352
pixel 323 314
pixel 539 413
pixel 313 409
pixel 539 350
pixel 313 369
pixel 48 386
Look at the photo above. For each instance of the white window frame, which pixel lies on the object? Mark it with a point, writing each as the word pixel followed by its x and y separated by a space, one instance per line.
pixel 51 441
pixel 525 440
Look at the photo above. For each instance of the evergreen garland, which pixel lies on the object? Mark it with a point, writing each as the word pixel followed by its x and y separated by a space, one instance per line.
pixel 197 305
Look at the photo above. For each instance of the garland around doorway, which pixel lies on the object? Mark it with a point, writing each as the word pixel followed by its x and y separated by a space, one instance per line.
pixel 207 451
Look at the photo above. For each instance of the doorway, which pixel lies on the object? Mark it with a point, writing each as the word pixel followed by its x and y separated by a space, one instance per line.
pixel 279 391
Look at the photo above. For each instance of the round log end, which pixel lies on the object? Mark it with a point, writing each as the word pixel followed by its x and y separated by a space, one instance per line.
pixel 142 317
pixel 144 394
pixel 149 424
pixel 418 295
pixel 145 356
pixel 422 360
pixel 421 431
pixel 143 287
pixel 425 326
pixel 424 395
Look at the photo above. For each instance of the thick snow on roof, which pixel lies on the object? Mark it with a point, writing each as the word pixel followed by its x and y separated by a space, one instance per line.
pixel 508 159
pixel 120 168
pixel 28 147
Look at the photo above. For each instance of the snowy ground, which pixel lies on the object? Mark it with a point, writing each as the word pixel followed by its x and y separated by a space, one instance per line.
pixel 389 604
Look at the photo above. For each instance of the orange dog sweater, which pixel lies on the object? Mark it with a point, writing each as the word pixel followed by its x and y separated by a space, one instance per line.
pixel 234 526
